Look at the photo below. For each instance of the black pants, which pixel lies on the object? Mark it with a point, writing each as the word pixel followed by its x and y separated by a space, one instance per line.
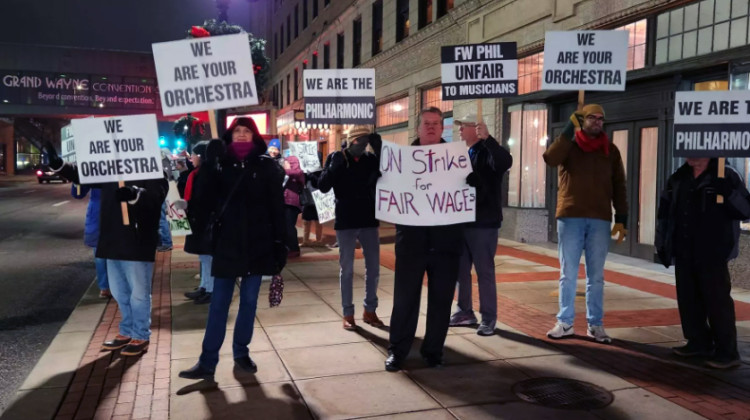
pixel 291 227
pixel 442 271
pixel 706 307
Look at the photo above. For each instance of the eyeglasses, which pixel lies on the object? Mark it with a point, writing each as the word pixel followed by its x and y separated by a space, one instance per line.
pixel 595 119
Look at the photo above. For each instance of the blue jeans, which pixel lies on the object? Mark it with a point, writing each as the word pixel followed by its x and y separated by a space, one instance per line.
pixel 101 272
pixel 370 240
pixel 480 245
pixel 207 280
pixel 130 284
pixel 218 312
pixel 165 234
pixel 575 235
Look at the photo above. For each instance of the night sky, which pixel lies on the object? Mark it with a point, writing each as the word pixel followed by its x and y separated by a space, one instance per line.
pixel 130 25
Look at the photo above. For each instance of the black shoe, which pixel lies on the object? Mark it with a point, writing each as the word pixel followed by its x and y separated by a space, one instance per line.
pixel 246 363
pixel 116 343
pixel 197 372
pixel 392 363
pixel 691 349
pixel 433 361
pixel 195 294
pixel 204 298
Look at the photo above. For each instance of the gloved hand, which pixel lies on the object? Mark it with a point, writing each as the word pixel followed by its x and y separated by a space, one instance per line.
pixel 619 230
pixel 50 155
pixel 723 186
pixel 575 123
pixel 127 193
pixel 376 142
pixel 662 253
pixel 180 204
pixel 338 161
pixel 280 252
pixel 473 179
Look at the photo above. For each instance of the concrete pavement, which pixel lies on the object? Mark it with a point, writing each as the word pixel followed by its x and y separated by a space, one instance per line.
pixel 309 367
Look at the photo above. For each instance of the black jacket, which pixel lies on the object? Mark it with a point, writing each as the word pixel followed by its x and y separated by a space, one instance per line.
pixel 490 162
pixel 354 186
pixel 202 199
pixel 421 240
pixel 691 224
pixel 252 227
pixel 138 240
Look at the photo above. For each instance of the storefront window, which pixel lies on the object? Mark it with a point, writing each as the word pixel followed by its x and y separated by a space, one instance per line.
pixel 530 73
pixel 527 141
pixel 636 44
pixel 647 191
pixel 393 113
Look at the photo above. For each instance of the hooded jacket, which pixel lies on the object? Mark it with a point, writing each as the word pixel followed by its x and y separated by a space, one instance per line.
pixel 353 184
pixel 295 183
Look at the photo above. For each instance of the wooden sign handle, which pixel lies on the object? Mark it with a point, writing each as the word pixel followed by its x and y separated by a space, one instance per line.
pixel 124 207
pixel 212 122
pixel 722 165
pixel 581 97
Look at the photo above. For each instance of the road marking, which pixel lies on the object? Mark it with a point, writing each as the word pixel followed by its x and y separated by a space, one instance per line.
pixel 29 191
pixel 60 203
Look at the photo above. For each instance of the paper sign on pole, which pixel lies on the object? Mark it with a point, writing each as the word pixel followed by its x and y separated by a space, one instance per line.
pixel 425 185
pixel 585 60
pixel 307 153
pixel 113 149
pixel 479 71
pixel 339 96
pixel 712 124
pixel 178 222
pixel 205 73
pixel 325 204
pixel 68 145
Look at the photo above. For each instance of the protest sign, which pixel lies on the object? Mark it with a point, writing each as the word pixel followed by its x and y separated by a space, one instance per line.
pixel 479 71
pixel 307 153
pixel 425 185
pixel 178 222
pixel 712 124
pixel 585 60
pixel 68 145
pixel 339 96
pixel 116 149
pixel 325 204
pixel 205 73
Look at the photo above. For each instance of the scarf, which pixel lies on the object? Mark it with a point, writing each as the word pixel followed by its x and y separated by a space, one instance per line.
pixel 592 144
pixel 241 149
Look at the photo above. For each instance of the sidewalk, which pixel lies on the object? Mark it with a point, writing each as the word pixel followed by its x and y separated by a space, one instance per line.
pixel 309 367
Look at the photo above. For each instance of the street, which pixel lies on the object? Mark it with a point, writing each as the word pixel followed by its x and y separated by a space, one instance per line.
pixel 45 270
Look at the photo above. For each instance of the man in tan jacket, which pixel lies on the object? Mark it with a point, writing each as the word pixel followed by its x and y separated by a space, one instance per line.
pixel 591 180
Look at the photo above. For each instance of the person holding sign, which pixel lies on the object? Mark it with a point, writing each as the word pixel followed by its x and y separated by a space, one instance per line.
pixel 490 162
pixel 130 250
pixel 591 180
pixel 700 235
pixel 353 174
pixel 248 231
pixel 419 249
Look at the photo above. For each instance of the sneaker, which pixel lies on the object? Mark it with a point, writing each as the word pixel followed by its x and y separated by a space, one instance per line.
pixel 691 349
pixel 560 330
pixel 597 333
pixel 462 318
pixel 721 362
pixel 105 294
pixel 486 329
pixel 164 248
pixel 196 293
pixel 135 348
pixel 372 319
pixel 203 299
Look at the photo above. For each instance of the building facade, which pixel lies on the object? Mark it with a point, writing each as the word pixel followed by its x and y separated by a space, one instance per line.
pixel 673 46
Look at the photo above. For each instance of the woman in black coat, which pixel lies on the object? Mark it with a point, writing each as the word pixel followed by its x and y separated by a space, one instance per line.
pixel 247 237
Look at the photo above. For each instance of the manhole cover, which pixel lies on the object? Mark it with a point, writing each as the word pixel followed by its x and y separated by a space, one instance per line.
pixel 563 393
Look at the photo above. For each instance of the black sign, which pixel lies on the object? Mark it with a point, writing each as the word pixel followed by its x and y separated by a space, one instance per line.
pixel 477 71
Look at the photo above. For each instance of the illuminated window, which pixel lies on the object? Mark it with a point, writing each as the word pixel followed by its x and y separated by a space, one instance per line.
pixel 434 97
pixel 393 113
pixel 528 141
pixel 530 73
pixel 636 44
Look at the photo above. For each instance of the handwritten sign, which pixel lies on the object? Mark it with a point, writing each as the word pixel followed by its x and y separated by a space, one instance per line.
pixel 425 185
pixel 113 149
pixel 205 73
pixel 479 71
pixel 307 153
pixel 178 222
pixel 712 124
pixel 68 145
pixel 585 60
pixel 325 204
pixel 339 96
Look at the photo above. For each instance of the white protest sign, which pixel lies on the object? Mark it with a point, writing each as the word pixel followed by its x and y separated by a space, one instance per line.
pixel 425 185
pixel 113 149
pixel 341 96
pixel 585 60
pixel 307 153
pixel 479 71
pixel 712 124
pixel 68 146
pixel 325 204
pixel 178 222
pixel 205 73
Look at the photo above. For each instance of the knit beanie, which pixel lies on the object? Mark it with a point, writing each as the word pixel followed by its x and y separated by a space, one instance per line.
pixel 275 143
pixel 592 109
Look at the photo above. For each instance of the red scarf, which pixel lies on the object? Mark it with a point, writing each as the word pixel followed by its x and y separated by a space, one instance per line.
pixel 592 144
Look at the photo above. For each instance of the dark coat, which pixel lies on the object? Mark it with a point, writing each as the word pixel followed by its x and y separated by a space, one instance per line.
pixel 138 240
pixel 91 227
pixel 421 240
pixel 490 162
pixel 200 206
pixel 714 234
pixel 252 227
pixel 354 187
